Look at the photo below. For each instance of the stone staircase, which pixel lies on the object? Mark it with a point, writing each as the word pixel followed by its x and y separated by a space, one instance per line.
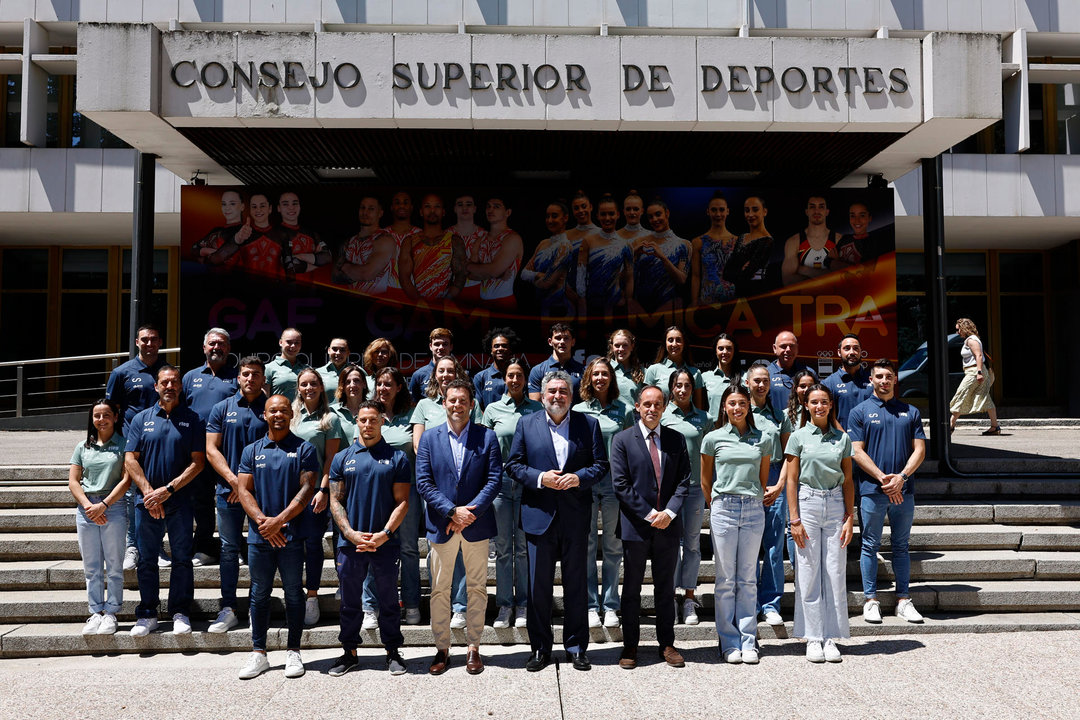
pixel 986 556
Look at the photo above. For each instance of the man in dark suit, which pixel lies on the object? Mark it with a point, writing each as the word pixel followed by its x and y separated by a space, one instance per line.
pixel 459 475
pixel 557 455
pixel 650 469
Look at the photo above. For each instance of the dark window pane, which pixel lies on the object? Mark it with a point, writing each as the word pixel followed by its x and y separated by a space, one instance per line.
pixel 82 316
pixel 25 269
pixel 159 313
pixel 161 270
pixel 13 106
pixel 85 270
pixel 1022 369
pixel 965 272
pixel 909 272
pixel 22 315
pixel 1021 272
pixel 86 133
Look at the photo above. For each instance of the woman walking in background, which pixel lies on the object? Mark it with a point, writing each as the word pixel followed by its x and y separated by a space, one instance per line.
pixel 973 395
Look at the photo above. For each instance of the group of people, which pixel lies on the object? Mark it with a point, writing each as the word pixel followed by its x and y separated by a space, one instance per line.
pixel 556 463
pixel 617 257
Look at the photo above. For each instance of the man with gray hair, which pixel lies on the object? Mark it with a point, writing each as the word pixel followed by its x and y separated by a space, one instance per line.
pixel 203 388
pixel 557 456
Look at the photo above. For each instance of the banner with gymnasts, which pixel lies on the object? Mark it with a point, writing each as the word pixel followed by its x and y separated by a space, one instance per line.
pixel 394 262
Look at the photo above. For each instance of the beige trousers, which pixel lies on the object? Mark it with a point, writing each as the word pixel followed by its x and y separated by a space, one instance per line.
pixel 443 557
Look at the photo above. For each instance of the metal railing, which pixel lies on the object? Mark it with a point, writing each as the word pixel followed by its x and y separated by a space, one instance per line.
pixel 56 387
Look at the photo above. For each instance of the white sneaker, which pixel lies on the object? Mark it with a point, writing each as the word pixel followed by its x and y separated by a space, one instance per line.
pixel 200 559
pixel 750 657
pixel 906 609
pixel 243 561
pixel 108 624
pixel 594 619
pixel 294 666
pixel 689 612
pixel 774 618
pixel 164 561
pixel 180 624
pixel 611 619
pixel 457 621
pixel 311 611
pixel 503 620
pixel 733 657
pixel 92 624
pixel 832 653
pixel 143 627
pixel 371 620
pixel 520 616
pixel 412 616
pixel 131 558
pixel 256 665
pixel 226 621
pixel 814 653
pixel 871 611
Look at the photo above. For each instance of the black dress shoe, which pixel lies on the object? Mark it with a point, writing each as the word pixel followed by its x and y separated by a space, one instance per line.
pixel 580 660
pixel 538 661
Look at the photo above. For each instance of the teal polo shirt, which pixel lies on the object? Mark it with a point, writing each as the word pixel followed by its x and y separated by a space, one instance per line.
pixel 102 465
pixel 502 416
pixel 281 376
pixel 736 460
pixel 693 426
pixel 659 374
pixel 820 454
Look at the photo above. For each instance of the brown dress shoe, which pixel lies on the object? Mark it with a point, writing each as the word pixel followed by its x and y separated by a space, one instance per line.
pixel 672 657
pixel 628 659
pixel 473 664
pixel 441 662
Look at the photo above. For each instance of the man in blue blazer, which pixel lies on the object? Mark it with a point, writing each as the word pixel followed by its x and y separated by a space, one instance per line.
pixel 459 475
pixel 650 470
pixel 557 455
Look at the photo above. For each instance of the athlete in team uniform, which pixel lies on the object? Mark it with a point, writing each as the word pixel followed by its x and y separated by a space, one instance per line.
pixel 581 208
pixel 547 267
pixel 749 262
pixel 605 274
pixel 633 209
pixel 471 235
pixel 709 254
pixel 401 227
pixel 431 264
pixel 862 245
pixel 661 263
pixel 206 249
pixel 368 255
pixel 812 251
pixel 498 258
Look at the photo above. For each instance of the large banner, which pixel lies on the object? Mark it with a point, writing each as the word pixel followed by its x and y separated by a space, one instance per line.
pixel 367 262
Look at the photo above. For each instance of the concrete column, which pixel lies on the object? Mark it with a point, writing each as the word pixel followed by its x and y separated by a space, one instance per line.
pixel 142 244
pixel 937 330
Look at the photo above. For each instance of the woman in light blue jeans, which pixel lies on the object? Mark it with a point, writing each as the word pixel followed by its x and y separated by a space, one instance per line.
pixel 734 474
pixel 821 499
pixel 98 482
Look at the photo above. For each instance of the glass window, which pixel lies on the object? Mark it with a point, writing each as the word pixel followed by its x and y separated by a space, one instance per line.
pixel 965 272
pixel 1021 368
pixel 159 312
pixel 1068 118
pixel 23 317
pixel 85 269
pixel 87 133
pixel 1020 272
pixel 82 316
pixel 25 269
pixel 909 272
pixel 13 108
pixel 1035 104
pixel 161 270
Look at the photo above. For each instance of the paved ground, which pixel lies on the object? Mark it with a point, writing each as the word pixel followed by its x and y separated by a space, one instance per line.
pixel 54 447
pixel 940 676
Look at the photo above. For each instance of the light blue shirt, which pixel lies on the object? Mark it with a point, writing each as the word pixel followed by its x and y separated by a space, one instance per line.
pixel 457 446
pixel 560 438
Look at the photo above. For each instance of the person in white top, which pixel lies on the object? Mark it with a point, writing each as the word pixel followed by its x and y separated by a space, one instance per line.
pixel 973 395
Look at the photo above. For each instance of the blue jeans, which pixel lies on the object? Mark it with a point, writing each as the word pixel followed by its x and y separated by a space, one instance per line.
pixel 607 506
pixel 874 509
pixel 771 571
pixel 129 507
pixel 738 522
pixel 230 519
pixel 314 525
pixel 357 569
pixel 686 569
pixel 511 555
pixel 263 560
pixel 102 549
pixel 178 522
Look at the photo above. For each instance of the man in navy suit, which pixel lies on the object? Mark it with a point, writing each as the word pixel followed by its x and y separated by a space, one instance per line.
pixel 557 455
pixel 650 469
pixel 459 475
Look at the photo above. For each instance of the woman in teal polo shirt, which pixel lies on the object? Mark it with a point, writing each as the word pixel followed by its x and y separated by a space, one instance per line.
pixel 600 399
pixel 674 354
pixel 724 374
pixel 800 384
pixel 352 390
pixel 693 423
pixel 511 552
pixel 629 372
pixel 98 482
pixel 734 473
pixel 315 422
pixel 821 498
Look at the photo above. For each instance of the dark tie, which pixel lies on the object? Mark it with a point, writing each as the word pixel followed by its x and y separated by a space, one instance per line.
pixel 654 452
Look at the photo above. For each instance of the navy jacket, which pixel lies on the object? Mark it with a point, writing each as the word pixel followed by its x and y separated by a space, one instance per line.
pixel 634 480
pixel 442 489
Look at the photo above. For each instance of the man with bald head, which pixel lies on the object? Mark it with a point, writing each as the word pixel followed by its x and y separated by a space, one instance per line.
pixel 432 264
pixel 784 367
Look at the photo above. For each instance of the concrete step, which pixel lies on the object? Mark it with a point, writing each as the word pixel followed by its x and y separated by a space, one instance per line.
pixel 31 496
pixel 46 519
pixel 46 640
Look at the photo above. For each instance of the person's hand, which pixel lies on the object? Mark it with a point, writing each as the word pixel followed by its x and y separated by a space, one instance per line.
pixel 365 543
pixel 155 498
pixel 463 516
pixel 95 511
pixel 798 534
pixel 276 540
pixel 156 511
pixel 892 484
pixel 661 520
pixel 270 526
pixel 243 234
pixel 846 532
pixel 569 480
pixel 319 502
pixel 234 496
pixel 772 492
pixel 980 376
pixel 550 479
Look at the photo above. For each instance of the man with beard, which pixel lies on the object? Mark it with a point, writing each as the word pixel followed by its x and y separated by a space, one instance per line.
pixel 431 264
pixel 849 385
pixel 367 260
pixel 502 344
pixel 401 227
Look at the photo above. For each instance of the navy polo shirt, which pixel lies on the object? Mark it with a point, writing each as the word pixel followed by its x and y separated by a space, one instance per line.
pixel 572 367
pixel 131 386
pixel 275 468
pixel 490 385
pixel 165 442
pixel 369 474
pixel 848 390
pixel 780 382
pixel 203 389
pixel 888 431
pixel 240 423
pixel 418 383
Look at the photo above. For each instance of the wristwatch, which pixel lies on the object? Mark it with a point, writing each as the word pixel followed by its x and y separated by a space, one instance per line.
pixel 170 488
pixel 389 533
pixel 905 477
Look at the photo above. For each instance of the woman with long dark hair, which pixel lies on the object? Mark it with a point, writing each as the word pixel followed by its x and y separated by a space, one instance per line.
pixel 724 375
pixel 672 355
